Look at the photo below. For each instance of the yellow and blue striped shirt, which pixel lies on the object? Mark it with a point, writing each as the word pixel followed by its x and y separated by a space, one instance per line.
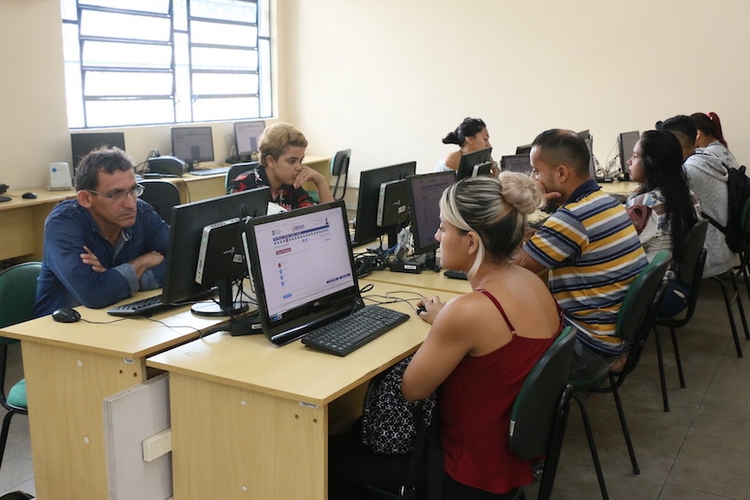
pixel 593 253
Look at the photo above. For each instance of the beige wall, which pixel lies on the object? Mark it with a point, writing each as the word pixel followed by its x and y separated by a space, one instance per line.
pixel 389 78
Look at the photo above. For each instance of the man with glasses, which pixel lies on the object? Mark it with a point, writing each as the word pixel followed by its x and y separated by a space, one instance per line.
pixel 106 244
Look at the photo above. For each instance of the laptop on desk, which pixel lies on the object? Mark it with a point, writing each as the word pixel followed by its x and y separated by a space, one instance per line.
pixel 302 268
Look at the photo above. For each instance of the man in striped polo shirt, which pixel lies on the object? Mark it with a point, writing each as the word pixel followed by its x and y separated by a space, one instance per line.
pixel 588 245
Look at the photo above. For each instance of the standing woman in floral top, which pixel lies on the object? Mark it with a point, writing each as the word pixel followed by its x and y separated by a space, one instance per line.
pixel 663 208
pixel 281 151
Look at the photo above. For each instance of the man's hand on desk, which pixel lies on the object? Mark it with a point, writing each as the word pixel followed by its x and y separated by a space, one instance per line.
pixel 427 309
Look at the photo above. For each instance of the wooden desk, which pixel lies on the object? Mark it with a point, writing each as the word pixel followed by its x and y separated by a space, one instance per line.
pixel 619 187
pixel 22 222
pixel 201 187
pixel 69 369
pixel 251 420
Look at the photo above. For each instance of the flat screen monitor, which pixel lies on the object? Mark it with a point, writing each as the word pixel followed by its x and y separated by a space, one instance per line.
pixel 475 163
pixel 425 191
pixel 523 150
pixel 193 145
pixel 366 223
pixel 247 136
pixel 83 143
pixel 188 223
pixel 626 143
pixel 592 161
pixel 516 163
pixel 298 289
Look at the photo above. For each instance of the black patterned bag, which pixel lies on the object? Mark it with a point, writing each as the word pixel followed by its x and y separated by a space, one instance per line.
pixel 388 419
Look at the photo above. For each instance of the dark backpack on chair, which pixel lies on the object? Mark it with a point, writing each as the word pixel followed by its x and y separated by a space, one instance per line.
pixel 738 193
pixel 16 495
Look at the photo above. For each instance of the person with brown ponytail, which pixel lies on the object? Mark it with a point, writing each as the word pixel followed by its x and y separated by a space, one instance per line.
pixel 710 138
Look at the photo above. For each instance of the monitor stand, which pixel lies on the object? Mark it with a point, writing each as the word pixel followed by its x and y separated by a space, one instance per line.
pixel 226 305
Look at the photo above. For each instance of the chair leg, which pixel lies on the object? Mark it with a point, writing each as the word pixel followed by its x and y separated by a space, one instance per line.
pixel 625 431
pixel 677 359
pixel 4 433
pixel 592 447
pixel 740 308
pixel 662 377
pixel 730 315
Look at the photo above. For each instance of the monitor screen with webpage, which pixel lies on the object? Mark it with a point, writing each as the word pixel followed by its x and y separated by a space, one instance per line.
pixel 302 268
pixel 366 227
pixel 247 136
pixel 425 191
pixel 186 233
pixel 193 145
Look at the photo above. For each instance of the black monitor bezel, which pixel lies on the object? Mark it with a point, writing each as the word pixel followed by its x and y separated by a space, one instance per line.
pixel 82 143
pixel 186 230
pixel 625 155
pixel 205 156
pixel 417 231
pixel 481 158
pixel 366 228
pixel 238 126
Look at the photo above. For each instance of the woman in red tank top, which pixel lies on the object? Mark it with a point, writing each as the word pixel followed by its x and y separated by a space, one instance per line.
pixel 482 345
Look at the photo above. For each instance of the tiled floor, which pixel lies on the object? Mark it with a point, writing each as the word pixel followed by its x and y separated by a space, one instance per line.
pixel 698 451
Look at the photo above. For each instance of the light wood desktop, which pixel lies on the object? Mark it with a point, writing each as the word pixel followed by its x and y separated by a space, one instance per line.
pixel 69 369
pixel 22 222
pixel 251 420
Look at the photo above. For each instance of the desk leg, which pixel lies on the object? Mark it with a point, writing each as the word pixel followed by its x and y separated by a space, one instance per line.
pixel 229 442
pixel 65 390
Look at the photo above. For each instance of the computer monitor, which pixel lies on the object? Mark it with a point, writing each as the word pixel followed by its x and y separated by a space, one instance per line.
pixel 366 227
pixel 524 149
pixel 425 191
pixel 82 143
pixel 186 233
pixel 193 145
pixel 475 163
pixel 247 137
pixel 626 143
pixel 516 163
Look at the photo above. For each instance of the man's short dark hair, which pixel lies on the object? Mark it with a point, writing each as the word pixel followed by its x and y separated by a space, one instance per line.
pixel 564 147
pixel 681 125
pixel 104 159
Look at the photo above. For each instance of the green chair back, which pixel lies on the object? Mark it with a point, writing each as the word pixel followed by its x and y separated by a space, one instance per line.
pixel 18 293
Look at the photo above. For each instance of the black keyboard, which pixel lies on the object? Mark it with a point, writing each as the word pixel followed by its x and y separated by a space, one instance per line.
pixel 142 307
pixel 210 171
pixel 349 333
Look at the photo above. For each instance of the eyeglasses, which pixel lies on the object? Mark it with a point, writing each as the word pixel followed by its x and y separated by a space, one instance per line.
pixel 120 195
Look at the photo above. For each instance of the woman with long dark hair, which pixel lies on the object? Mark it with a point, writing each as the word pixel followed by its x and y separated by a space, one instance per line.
pixel 662 208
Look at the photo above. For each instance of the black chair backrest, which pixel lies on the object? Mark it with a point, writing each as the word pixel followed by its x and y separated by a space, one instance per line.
pixel 696 237
pixel 237 169
pixel 340 162
pixel 162 195
pixel 535 408
pixel 638 303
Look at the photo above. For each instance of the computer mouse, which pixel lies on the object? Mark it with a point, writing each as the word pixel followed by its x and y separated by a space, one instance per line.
pixel 421 309
pixel 66 315
pixel 29 195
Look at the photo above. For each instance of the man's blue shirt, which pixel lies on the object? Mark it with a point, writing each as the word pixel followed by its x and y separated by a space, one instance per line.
pixel 65 281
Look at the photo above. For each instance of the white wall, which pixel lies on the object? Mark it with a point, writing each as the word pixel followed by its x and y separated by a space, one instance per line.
pixel 390 78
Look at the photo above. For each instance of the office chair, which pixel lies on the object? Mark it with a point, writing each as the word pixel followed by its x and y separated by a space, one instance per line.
pixel 634 321
pixel 17 297
pixel 237 169
pixel 540 412
pixel 730 278
pixel 339 166
pixel 689 272
pixel 162 195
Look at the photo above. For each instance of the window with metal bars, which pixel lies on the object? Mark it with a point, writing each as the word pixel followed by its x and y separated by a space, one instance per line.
pixel 143 62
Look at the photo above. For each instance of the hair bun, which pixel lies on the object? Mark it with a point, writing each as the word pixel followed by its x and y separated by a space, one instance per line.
pixel 520 192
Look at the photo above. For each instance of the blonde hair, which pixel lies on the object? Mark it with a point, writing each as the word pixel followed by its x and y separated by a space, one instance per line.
pixel 495 209
pixel 276 138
